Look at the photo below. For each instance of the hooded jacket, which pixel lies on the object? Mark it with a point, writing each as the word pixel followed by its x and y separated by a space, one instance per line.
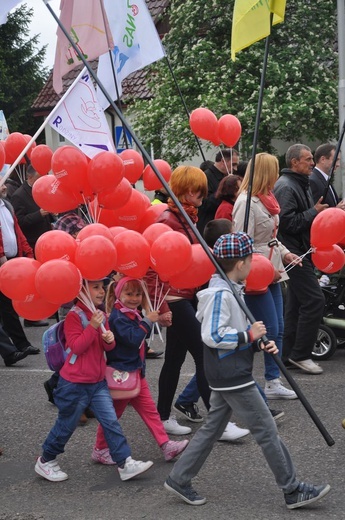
pixel 228 353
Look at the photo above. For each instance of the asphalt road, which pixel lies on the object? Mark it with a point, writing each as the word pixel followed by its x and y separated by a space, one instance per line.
pixel 235 479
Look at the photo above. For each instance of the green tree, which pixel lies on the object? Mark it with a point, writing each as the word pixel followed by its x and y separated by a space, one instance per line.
pixel 300 98
pixel 21 71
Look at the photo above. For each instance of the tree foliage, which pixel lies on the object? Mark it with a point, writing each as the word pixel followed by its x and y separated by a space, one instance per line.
pixel 300 96
pixel 22 71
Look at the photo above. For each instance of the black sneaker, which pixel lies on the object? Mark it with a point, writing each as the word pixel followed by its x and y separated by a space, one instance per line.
pixel 190 411
pixel 187 493
pixel 49 391
pixel 276 414
pixel 305 494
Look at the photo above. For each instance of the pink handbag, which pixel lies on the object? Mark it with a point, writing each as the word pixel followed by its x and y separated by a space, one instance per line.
pixel 122 384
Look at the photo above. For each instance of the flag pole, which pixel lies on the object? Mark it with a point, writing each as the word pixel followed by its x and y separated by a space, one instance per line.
pixel 39 131
pixel 197 234
pixel 184 104
pixel 256 129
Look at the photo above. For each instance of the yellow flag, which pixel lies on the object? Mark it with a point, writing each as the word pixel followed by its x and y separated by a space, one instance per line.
pixel 251 21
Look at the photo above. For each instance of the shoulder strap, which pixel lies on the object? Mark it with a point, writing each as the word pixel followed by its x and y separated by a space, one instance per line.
pixel 84 322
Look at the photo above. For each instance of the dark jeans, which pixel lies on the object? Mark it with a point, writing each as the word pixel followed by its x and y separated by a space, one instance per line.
pixel 304 309
pixel 183 336
pixel 11 323
pixel 268 307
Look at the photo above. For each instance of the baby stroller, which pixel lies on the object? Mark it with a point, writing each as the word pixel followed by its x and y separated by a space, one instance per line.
pixel 332 329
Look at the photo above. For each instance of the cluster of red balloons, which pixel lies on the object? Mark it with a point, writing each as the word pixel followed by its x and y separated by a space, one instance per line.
pixel 40 156
pixel 226 130
pixel 327 231
pixel 39 287
pixel 105 179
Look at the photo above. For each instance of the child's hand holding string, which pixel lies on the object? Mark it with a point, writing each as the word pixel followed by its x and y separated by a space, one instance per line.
pixel 97 319
pixel 165 319
pixel 152 316
pixel 108 336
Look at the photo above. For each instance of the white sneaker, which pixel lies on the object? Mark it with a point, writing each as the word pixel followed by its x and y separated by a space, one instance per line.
pixel 174 428
pixel 307 365
pixel 50 470
pixel 233 432
pixel 274 389
pixel 133 467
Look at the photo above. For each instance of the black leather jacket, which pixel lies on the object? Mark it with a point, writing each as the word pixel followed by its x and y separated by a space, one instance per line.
pixel 297 210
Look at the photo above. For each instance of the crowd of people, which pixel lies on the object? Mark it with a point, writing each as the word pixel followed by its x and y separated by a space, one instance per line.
pixel 208 322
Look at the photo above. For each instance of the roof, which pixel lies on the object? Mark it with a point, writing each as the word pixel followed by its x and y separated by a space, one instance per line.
pixel 134 86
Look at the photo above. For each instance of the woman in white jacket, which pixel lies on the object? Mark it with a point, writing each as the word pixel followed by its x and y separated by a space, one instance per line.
pixel 263 228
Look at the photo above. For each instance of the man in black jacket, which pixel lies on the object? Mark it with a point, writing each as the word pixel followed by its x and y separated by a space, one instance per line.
pixel 323 157
pixel 226 162
pixel 305 300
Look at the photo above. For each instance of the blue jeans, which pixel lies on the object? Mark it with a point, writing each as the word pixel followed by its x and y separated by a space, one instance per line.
pixel 71 400
pixel 268 308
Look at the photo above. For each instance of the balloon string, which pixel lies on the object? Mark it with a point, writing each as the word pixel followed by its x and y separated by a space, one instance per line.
pixel 293 264
pixel 85 297
pixel 143 285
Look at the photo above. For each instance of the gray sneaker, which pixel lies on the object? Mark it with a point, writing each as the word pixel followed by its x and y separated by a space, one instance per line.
pixel 305 494
pixel 187 493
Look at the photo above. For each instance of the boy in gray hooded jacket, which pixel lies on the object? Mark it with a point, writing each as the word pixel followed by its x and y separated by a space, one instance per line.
pixel 228 349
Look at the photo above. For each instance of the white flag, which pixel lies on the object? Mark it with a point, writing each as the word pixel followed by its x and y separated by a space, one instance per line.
pixel 81 120
pixel 5 8
pixel 137 44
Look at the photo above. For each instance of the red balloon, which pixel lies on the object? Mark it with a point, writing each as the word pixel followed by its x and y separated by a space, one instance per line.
pixel 35 309
pixel 328 260
pixel 133 254
pixel 95 257
pixel 229 130
pixel 14 145
pixel 2 156
pixel 203 123
pixel 105 171
pixel 49 195
pixel 171 253
pixel 95 229
pixel 41 158
pixel 132 212
pixel 17 278
pixel 70 167
pixel 147 200
pixel 108 217
pixel 154 231
pixel 198 273
pixel 116 198
pixel 133 164
pixel 328 228
pixel 28 138
pixel 55 244
pixel 58 281
pixel 151 215
pixel 116 230
pixel 151 181
pixel 261 273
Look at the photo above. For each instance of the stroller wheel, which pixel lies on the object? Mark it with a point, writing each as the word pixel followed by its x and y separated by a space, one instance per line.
pixel 326 343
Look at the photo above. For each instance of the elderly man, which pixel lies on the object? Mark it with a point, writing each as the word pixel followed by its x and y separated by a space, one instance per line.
pixel 323 157
pixel 305 300
pixel 226 162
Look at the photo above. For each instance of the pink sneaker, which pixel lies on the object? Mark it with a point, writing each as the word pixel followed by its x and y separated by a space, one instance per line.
pixel 102 456
pixel 173 448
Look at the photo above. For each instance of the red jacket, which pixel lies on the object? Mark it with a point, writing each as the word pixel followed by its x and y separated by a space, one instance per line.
pixel 225 210
pixel 170 219
pixel 89 347
pixel 23 247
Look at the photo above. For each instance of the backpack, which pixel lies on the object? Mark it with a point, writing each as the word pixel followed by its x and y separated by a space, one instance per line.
pixel 54 342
